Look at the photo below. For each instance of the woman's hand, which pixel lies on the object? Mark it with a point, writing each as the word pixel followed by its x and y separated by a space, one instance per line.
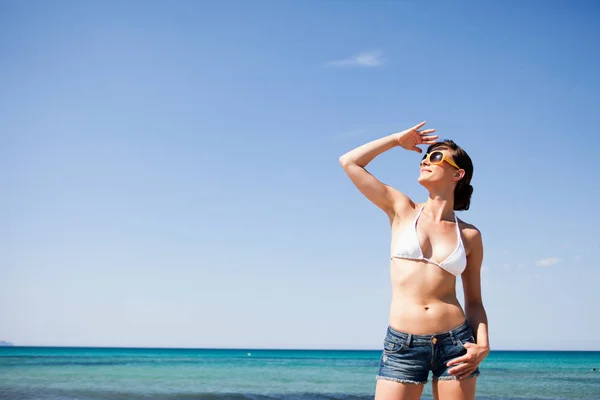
pixel 412 137
pixel 468 362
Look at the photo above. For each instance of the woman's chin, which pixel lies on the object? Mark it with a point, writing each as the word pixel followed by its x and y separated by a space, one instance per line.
pixel 426 179
pixel 423 178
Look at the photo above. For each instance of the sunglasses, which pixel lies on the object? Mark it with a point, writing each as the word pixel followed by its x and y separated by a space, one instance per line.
pixel 437 157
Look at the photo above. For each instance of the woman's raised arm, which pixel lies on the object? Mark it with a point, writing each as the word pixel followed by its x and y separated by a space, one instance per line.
pixel 390 200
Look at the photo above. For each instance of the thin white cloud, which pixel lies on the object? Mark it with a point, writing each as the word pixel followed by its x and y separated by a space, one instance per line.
pixel 544 262
pixel 366 59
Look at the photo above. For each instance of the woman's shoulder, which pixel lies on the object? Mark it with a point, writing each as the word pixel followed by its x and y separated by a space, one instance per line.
pixel 469 231
pixel 471 237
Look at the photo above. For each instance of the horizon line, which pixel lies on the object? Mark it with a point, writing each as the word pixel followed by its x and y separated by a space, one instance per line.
pixel 248 348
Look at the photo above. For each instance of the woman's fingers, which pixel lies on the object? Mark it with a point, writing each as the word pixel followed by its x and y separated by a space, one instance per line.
pixel 416 127
pixel 420 137
pixel 460 369
pixel 466 373
pixel 429 139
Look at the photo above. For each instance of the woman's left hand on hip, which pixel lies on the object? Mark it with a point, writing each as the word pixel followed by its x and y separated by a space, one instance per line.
pixel 469 361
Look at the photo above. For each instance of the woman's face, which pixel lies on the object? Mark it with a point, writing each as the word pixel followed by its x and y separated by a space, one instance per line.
pixel 433 171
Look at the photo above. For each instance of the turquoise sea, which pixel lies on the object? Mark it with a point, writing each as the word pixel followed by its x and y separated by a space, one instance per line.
pixel 61 373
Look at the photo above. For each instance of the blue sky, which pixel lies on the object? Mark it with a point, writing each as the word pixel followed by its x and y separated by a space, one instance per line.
pixel 170 171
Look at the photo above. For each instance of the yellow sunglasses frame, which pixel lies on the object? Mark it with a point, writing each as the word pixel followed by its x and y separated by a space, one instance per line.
pixel 444 158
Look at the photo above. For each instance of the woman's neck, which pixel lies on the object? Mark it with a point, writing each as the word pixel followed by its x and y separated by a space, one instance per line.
pixel 440 207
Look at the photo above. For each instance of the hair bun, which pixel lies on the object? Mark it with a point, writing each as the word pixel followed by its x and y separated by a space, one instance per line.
pixel 462 196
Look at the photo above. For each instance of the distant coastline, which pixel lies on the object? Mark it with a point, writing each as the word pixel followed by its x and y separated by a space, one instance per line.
pixel 5 344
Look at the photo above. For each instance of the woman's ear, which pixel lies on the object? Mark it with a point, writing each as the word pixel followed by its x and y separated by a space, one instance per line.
pixel 459 174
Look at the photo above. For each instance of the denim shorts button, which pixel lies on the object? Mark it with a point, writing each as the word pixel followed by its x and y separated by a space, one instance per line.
pixel 434 340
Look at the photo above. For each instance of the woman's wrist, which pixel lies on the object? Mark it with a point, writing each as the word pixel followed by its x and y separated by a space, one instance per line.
pixel 395 138
pixel 485 348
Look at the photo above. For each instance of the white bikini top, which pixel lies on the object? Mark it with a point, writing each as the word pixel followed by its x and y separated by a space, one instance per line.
pixel 407 246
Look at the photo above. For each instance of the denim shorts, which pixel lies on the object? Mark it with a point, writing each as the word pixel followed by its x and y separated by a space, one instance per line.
pixel 408 358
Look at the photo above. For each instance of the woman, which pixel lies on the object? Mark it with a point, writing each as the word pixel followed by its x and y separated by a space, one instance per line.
pixel 430 247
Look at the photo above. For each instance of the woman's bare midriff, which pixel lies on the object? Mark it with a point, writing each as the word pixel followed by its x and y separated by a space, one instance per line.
pixel 423 298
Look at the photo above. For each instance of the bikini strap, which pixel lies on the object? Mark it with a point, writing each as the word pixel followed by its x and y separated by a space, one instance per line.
pixel 457 228
pixel 419 213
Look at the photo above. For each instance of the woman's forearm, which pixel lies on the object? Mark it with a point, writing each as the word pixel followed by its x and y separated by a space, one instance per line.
pixel 363 155
pixel 477 318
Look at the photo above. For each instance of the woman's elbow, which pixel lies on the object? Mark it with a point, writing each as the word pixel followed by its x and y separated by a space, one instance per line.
pixel 344 161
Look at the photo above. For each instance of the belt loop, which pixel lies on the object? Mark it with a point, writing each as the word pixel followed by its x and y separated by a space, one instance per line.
pixel 408 340
pixel 453 338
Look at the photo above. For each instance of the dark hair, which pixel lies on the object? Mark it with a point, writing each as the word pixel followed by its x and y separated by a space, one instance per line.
pixel 463 190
